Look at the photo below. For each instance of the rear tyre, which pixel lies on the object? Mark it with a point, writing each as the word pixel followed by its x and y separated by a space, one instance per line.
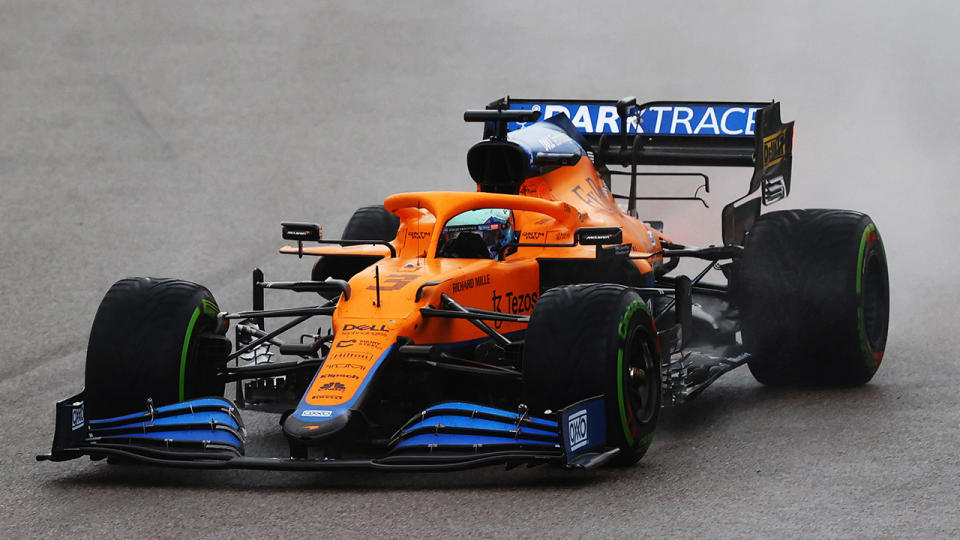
pixel 585 340
pixel 372 223
pixel 367 223
pixel 153 339
pixel 814 297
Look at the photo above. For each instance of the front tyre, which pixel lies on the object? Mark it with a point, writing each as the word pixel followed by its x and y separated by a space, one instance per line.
pixel 814 297
pixel 585 340
pixel 155 339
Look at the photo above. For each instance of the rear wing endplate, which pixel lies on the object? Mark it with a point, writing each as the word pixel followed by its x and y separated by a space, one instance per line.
pixel 694 133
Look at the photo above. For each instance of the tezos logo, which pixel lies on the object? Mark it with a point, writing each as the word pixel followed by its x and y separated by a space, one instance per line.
pixel 577 429
pixel 319 413
pixel 365 328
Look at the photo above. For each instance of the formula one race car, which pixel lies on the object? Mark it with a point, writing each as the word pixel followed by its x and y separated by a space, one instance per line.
pixel 530 321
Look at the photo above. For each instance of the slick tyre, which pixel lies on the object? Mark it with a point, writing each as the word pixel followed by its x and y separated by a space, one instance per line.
pixel 372 223
pixel 367 223
pixel 586 340
pixel 155 339
pixel 814 297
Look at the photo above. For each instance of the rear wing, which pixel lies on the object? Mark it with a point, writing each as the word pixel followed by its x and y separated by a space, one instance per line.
pixel 695 133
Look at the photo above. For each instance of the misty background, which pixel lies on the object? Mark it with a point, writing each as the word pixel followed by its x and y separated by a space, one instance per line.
pixel 171 138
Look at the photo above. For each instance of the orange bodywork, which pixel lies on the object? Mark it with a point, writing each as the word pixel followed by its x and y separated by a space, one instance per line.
pixel 549 209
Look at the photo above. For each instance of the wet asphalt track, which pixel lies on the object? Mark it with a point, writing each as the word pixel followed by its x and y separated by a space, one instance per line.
pixel 166 138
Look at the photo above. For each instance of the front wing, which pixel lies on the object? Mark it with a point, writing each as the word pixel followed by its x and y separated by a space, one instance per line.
pixel 208 433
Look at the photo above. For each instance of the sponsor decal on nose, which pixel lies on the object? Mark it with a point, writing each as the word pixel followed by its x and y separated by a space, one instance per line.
pixel 317 413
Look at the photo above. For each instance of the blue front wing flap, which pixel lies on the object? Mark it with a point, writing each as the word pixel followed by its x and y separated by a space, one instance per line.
pixel 458 426
pixel 207 428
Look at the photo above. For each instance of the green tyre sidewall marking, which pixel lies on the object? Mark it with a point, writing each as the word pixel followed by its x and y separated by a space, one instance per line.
pixel 186 349
pixel 210 309
pixel 623 332
pixel 861 325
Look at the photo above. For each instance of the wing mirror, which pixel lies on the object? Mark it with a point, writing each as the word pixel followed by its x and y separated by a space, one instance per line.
pixel 598 236
pixel 301 232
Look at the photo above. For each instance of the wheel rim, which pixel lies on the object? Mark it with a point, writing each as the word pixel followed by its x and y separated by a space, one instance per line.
pixel 641 382
pixel 876 301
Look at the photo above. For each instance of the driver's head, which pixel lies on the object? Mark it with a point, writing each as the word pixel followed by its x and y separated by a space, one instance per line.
pixel 493 225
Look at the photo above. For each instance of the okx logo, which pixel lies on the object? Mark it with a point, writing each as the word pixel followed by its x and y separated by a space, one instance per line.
pixel 577 429
pixel 76 418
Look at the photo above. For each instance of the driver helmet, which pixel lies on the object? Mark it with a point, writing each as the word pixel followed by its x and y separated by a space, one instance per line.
pixel 494 225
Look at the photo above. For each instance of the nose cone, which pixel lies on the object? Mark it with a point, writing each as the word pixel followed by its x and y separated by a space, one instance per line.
pixel 341 384
pixel 311 425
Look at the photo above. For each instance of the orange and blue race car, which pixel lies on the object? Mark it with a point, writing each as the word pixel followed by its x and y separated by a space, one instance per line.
pixel 534 320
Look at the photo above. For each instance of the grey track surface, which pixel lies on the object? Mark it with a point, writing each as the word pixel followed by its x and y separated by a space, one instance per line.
pixel 171 138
